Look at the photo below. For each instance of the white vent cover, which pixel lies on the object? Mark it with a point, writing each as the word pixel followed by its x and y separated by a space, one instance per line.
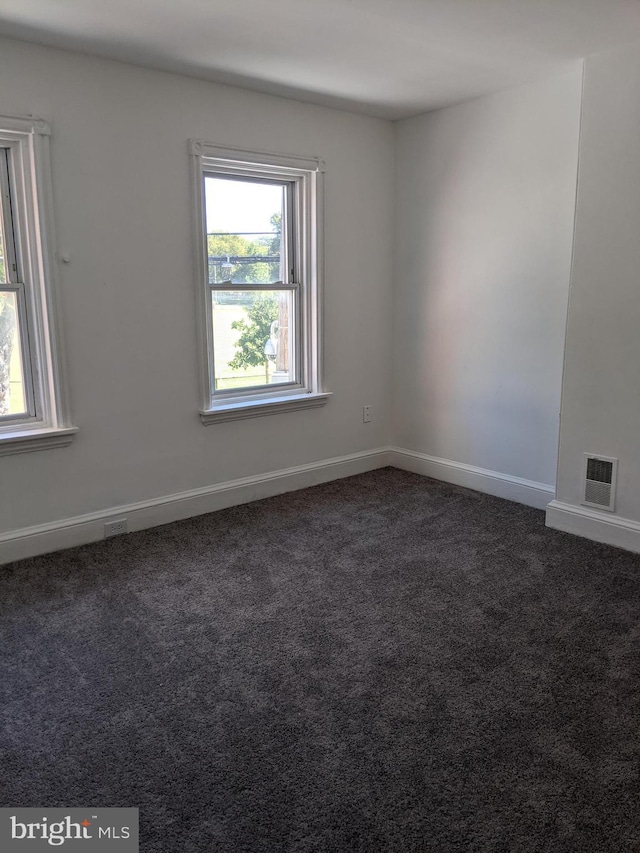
pixel 599 481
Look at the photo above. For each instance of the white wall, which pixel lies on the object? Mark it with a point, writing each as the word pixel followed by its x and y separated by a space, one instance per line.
pixel 601 398
pixel 485 196
pixel 123 213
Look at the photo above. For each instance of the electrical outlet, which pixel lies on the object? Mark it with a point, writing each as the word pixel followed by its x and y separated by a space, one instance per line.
pixel 115 527
pixel 366 414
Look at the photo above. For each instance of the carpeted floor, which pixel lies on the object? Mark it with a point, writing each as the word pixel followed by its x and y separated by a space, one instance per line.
pixel 382 663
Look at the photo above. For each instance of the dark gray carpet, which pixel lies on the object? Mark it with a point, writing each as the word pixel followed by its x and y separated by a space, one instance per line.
pixel 383 663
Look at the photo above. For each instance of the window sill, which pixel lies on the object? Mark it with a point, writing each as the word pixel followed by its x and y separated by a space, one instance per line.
pixel 41 438
pixel 258 408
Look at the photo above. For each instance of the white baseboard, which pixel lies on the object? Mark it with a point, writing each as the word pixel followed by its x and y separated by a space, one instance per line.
pixel 593 524
pixel 82 529
pixel 515 489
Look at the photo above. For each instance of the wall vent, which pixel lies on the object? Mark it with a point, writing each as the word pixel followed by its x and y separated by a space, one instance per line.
pixel 599 481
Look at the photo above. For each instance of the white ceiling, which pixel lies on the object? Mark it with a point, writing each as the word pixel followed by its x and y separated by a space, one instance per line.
pixel 390 58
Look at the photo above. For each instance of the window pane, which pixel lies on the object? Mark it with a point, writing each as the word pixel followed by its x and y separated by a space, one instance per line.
pixel 12 391
pixel 244 230
pixel 252 338
pixel 3 275
pixel 3 269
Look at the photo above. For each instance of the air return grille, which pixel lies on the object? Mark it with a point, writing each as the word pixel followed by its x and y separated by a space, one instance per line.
pixel 599 481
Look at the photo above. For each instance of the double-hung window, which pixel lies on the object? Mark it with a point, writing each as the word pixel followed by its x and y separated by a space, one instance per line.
pixel 259 290
pixel 33 415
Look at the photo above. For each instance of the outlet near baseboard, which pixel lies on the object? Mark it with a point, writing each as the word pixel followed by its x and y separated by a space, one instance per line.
pixel 115 527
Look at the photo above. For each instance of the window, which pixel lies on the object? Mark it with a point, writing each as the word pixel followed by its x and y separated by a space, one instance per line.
pixel 258 223
pixel 32 411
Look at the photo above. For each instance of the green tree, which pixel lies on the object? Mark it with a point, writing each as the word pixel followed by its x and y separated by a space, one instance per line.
pixel 219 245
pixel 255 332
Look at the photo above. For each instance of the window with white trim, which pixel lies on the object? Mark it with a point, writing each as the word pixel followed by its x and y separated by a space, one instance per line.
pixel 259 289
pixel 33 414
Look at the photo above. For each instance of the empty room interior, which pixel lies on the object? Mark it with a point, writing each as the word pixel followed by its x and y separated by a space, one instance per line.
pixel 319 425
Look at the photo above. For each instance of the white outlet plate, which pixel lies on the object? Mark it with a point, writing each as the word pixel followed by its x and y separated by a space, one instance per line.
pixel 366 414
pixel 115 527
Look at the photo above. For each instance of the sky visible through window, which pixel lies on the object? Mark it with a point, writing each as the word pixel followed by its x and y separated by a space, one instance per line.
pixel 241 206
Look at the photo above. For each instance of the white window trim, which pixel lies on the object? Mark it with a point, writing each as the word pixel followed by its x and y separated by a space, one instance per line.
pixel 51 427
pixel 215 408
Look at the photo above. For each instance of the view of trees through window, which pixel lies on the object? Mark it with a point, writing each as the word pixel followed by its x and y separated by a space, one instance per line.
pixel 246 258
